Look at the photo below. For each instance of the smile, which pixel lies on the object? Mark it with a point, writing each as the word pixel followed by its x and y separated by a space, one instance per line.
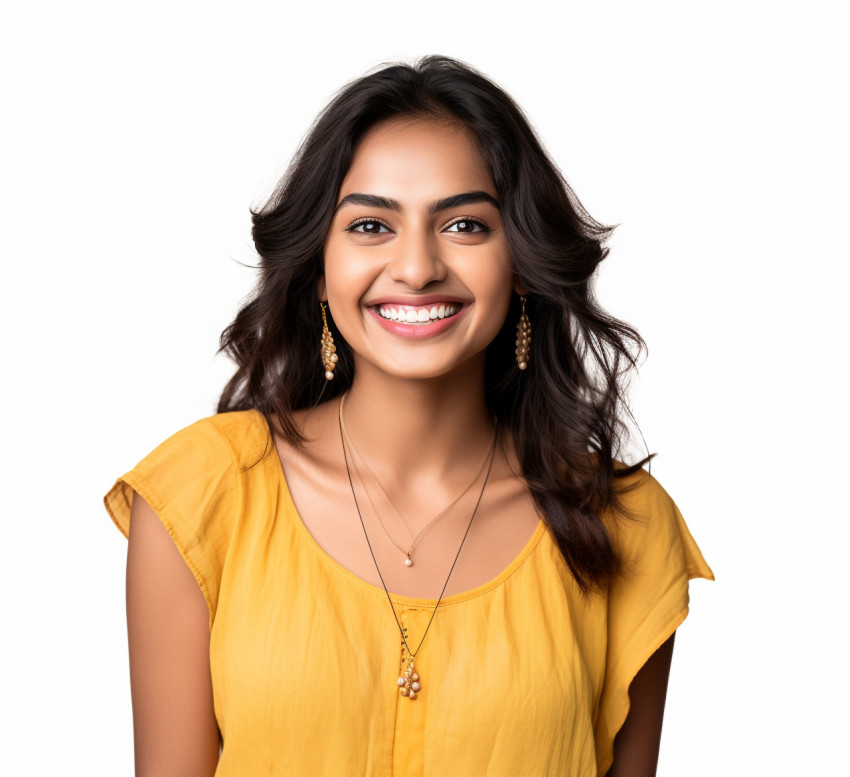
pixel 418 321
pixel 408 314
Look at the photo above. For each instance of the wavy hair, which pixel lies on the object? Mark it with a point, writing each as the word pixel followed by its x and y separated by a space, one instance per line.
pixel 564 410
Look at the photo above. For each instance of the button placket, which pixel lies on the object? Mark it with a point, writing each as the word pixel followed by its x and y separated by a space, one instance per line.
pixel 411 714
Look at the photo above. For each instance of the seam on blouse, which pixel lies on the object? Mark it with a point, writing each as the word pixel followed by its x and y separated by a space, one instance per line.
pixel 240 511
pixel 236 471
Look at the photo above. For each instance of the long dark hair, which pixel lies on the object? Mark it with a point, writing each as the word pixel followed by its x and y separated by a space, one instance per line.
pixel 564 410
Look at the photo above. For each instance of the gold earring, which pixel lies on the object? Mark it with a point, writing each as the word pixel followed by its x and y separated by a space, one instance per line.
pixel 523 338
pixel 329 357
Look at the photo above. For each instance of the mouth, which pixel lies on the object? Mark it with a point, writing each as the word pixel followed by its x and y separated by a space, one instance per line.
pixel 418 321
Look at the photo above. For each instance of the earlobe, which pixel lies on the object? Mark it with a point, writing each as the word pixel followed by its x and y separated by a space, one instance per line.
pixel 519 287
pixel 321 290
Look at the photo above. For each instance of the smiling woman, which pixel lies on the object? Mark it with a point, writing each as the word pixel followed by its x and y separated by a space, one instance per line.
pixel 386 256
pixel 405 544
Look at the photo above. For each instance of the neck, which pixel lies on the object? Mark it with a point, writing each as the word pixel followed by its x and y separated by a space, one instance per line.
pixel 419 431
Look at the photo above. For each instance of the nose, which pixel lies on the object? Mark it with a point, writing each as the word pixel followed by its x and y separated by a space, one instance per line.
pixel 416 261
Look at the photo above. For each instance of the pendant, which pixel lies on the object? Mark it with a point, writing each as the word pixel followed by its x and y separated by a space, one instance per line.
pixel 408 683
pixel 408 562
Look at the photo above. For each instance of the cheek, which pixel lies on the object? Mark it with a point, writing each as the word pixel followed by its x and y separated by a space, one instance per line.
pixel 489 275
pixel 345 272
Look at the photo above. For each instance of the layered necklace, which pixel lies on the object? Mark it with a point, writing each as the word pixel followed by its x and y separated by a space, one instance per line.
pixel 408 682
pixel 408 552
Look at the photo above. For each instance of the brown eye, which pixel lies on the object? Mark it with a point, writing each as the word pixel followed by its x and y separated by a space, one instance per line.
pixel 467 226
pixel 367 227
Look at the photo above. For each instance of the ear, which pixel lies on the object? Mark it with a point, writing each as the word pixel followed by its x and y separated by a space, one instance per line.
pixel 519 286
pixel 321 289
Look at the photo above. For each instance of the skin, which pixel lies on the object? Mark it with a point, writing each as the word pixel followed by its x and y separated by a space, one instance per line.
pixel 174 726
pixel 416 413
pixel 637 742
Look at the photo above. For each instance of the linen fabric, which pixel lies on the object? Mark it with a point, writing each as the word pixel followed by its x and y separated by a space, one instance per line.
pixel 521 675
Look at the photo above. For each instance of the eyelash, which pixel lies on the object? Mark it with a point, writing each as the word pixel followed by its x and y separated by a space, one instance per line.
pixel 470 219
pixel 351 227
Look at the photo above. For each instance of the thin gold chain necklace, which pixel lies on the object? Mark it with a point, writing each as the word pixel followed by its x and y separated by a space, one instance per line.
pixel 408 552
pixel 408 683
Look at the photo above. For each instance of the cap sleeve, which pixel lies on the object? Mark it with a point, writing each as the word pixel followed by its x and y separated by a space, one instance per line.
pixel 190 481
pixel 647 602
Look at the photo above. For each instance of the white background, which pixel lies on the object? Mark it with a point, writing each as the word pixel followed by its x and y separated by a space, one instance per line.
pixel 135 139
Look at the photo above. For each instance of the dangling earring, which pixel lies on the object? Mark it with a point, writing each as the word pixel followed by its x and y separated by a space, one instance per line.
pixel 523 338
pixel 329 357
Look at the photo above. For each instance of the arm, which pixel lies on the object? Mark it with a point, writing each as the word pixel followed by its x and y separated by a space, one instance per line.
pixel 174 725
pixel 637 742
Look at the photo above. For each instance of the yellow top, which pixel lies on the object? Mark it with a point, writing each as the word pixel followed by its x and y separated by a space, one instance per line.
pixel 519 676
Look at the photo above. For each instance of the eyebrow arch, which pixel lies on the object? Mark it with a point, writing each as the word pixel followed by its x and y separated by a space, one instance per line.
pixel 454 201
pixel 370 201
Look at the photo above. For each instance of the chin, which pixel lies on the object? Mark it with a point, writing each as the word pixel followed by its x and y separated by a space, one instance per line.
pixel 419 369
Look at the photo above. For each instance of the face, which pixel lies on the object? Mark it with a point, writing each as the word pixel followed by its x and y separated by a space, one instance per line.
pixel 417 272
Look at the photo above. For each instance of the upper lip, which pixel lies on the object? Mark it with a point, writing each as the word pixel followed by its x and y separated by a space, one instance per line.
pixel 419 300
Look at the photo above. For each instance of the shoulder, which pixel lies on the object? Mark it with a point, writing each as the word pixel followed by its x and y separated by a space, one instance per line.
pixel 224 440
pixel 199 466
pixel 644 516
pixel 640 488
pixel 650 530
pixel 641 500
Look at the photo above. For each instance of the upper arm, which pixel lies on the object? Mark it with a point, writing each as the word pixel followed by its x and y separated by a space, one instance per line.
pixel 637 742
pixel 175 730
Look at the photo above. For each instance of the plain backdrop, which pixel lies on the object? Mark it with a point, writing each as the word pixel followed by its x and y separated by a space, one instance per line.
pixel 137 136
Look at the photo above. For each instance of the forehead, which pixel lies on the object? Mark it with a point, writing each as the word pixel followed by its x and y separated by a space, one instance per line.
pixel 417 161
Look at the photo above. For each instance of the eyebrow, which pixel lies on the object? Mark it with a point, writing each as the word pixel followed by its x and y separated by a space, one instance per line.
pixel 454 201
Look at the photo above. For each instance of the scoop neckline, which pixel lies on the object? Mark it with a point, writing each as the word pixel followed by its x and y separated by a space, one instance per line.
pixel 411 601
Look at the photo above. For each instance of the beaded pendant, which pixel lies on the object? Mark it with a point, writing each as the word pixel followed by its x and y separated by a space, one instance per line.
pixel 408 683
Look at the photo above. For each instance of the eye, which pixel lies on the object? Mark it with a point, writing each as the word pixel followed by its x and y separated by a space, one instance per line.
pixel 467 226
pixel 367 227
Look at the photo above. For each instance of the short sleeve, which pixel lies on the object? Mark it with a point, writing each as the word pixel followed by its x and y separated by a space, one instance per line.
pixel 191 483
pixel 647 602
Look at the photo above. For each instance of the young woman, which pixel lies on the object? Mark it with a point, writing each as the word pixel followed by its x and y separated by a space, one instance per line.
pixel 404 544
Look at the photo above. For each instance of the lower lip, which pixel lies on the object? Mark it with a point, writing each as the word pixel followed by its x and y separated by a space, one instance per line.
pixel 418 330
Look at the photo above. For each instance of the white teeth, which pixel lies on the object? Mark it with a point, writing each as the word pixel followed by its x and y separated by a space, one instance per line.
pixel 418 315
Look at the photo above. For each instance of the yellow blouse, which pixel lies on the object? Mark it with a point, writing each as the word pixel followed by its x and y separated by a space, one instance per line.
pixel 520 676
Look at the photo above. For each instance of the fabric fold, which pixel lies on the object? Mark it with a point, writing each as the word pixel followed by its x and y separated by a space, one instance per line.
pixel 191 483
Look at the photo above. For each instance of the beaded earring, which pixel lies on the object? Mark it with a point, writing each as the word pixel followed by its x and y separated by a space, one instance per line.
pixel 523 338
pixel 329 357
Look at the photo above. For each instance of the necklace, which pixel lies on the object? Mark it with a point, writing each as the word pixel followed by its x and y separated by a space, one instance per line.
pixel 408 683
pixel 408 561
